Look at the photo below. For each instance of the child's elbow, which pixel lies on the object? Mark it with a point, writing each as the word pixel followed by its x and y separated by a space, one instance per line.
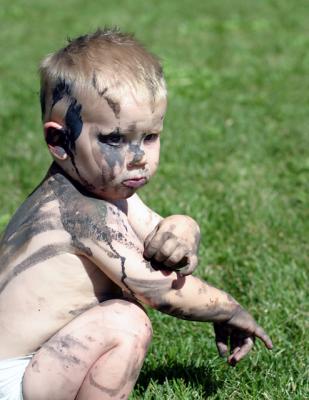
pixel 157 293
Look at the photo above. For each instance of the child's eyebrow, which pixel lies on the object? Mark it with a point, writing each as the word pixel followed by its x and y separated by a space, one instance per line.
pixel 114 132
pixel 131 128
pixel 127 131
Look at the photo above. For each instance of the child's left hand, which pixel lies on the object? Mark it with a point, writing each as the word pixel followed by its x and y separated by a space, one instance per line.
pixel 174 242
pixel 239 332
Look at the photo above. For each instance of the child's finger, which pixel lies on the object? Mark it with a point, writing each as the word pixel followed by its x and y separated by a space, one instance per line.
pixel 149 248
pixel 154 242
pixel 166 251
pixel 261 334
pixel 222 349
pixel 240 352
pixel 177 258
pixel 192 261
pixel 231 360
pixel 221 339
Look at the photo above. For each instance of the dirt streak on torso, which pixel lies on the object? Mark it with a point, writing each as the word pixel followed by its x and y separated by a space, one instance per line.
pixel 46 278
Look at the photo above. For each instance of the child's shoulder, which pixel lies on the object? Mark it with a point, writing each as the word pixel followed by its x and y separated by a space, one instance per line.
pixel 82 215
pixel 36 214
pixel 62 212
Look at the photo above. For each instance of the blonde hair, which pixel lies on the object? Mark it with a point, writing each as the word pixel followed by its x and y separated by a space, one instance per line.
pixel 104 63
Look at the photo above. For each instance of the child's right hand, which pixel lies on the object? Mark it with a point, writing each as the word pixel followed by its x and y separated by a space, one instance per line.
pixel 174 243
pixel 239 333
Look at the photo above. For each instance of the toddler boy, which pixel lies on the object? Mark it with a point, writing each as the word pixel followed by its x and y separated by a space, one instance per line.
pixel 83 251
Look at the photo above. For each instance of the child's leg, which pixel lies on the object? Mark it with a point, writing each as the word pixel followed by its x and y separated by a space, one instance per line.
pixel 98 355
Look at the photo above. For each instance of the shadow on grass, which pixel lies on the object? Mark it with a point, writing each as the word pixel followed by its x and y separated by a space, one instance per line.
pixel 197 377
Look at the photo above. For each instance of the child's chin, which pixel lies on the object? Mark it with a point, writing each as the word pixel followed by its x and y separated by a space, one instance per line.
pixel 122 194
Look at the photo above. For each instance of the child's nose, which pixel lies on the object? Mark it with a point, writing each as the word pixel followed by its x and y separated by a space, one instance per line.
pixel 136 156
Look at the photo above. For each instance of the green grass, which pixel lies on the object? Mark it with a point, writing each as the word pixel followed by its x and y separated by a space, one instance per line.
pixel 234 156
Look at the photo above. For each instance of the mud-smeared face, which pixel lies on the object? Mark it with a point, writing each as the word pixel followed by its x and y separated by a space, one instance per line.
pixel 118 145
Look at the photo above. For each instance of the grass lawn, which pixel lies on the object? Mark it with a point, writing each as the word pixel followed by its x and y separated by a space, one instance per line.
pixel 235 156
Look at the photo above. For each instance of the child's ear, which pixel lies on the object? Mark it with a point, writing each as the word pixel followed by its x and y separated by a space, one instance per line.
pixel 55 139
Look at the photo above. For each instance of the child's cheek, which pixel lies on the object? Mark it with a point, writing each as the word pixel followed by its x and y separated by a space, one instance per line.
pixel 111 160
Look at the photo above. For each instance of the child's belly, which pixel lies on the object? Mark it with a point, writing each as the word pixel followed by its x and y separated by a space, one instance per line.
pixel 42 299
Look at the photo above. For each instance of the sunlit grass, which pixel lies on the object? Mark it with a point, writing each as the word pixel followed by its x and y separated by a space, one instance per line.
pixel 234 156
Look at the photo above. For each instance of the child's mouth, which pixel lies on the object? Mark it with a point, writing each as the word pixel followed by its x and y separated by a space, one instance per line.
pixel 134 182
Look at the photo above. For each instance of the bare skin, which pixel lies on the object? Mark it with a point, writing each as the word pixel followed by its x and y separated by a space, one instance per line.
pixel 97 355
pixel 44 288
pixel 84 237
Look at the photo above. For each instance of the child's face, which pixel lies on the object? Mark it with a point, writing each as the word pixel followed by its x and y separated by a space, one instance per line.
pixel 118 149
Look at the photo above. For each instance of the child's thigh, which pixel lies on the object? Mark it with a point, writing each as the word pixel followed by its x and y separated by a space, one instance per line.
pixel 60 366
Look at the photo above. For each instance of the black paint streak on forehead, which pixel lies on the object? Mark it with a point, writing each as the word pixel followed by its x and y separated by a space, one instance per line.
pixel 95 85
pixel 94 80
pixel 113 105
pixel 62 89
pixel 152 87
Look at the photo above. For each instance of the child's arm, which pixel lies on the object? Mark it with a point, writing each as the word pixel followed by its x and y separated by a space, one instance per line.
pixel 119 254
pixel 172 241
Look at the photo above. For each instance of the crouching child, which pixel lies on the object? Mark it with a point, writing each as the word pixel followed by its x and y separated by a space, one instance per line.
pixel 83 252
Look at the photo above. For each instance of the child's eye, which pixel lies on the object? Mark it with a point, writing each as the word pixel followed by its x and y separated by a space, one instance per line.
pixel 152 137
pixel 113 139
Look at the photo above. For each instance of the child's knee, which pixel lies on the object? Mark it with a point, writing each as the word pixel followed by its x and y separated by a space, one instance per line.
pixel 131 321
pixel 142 325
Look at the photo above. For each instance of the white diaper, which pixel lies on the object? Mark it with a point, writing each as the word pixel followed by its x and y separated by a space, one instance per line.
pixel 11 376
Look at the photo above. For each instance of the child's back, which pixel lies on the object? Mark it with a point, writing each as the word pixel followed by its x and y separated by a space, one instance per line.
pixel 45 278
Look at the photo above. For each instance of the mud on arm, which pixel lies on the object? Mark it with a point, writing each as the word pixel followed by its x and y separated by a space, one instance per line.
pixel 172 241
pixel 119 254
